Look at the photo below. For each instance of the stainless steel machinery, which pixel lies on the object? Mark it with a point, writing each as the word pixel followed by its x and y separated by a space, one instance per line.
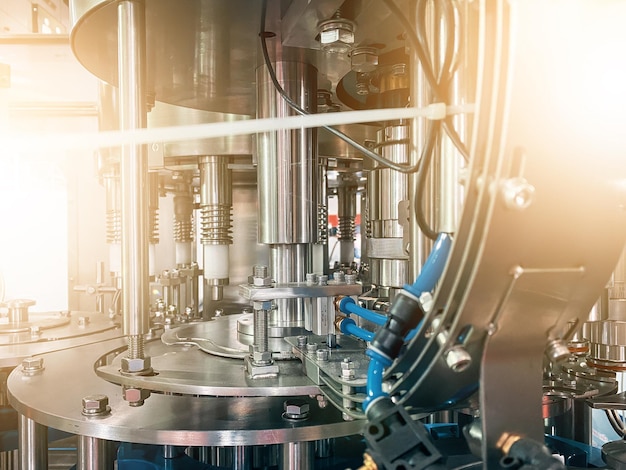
pixel 481 141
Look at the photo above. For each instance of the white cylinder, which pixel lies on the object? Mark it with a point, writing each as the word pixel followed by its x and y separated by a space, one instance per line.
pixel 216 261
pixel 115 258
pixel 183 253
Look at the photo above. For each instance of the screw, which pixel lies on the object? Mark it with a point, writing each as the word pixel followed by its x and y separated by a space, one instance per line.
pixel 96 405
pixel 458 359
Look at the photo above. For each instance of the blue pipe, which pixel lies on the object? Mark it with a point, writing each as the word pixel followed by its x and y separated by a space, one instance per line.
pixel 348 306
pixel 425 282
pixel 433 267
pixel 375 371
pixel 349 327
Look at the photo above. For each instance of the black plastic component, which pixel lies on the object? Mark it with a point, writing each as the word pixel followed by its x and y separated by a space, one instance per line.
pixel 396 442
pixel 405 314
pixel 614 454
pixel 534 455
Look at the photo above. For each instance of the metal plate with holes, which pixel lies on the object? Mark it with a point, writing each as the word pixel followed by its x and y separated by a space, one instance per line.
pixel 68 376
pixel 187 370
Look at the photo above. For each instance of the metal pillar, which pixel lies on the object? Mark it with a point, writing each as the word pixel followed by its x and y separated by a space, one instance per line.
pixel 287 174
pixel 33 444
pixel 94 454
pixel 297 456
pixel 134 175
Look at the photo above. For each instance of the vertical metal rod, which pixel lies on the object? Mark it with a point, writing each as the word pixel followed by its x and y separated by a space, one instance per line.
pixel 242 458
pixel 297 456
pixel 134 168
pixel 94 454
pixel 33 444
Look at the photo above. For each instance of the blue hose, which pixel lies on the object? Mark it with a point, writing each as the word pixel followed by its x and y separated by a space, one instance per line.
pixel 425 282
pixel 349 327
pixel 433 267
pixel 348 306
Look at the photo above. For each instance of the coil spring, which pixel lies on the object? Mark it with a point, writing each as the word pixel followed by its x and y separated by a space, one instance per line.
pixel 322 224
pixel 184 230
pixel 113 226
pixel 346 229
pixel 216 225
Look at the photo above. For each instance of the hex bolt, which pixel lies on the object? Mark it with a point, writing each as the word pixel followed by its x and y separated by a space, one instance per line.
pixel 347 369
pixel 302 341
pixel 135 396
pixel 351 279
pixel 364 59
pixel 32 365
pixel 83 321
pixel 517 193
pixel 322 401
pixel 311 347
pixel 96 405
pixel 339 277
pixel 311 279
pixel 322 280
pixel 295 409
pixel 458 359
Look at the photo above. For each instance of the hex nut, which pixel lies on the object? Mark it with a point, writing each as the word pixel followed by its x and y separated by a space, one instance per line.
pixel 135 396
pixel 96 405
pixel 364 59
pixel 296 409
pixel 266 305
pixel 264 357
pixel 136 365
pixel 260 281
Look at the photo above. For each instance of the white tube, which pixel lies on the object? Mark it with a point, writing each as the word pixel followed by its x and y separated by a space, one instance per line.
pixel 115 258
pixel 93 140
pixel 183 253
pixel 216 264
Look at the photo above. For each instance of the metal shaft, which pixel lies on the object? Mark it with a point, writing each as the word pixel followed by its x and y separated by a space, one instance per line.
pixel 297 456
pixel 216 224
pixel 33 444
pixel 93 454
pixel 134 168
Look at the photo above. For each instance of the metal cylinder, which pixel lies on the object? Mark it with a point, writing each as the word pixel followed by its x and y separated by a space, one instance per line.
pixel 346 213
pixel 297 456
pixel 94 454
pixel 215 223
pixel 134 168
pixel 388 211
pixel 287 160
pixel 33 444
pixel 290 263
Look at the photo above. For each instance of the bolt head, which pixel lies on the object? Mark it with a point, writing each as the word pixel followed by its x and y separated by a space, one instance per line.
pixel 83 321
pixel 458 359
pixel 136 365
pixel 517 193
pixel 135 396
pixel 337 35
pixel 94 405
pixel 32 364
pixel 296 409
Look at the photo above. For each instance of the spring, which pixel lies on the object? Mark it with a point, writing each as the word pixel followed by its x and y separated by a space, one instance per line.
pixel 184 230
pixel 114 226
pixel 346 228
pixel 154 226
pixel 216 225
pixel 322 224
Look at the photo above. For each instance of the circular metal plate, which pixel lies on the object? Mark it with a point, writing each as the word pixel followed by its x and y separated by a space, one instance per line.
pixel 163 419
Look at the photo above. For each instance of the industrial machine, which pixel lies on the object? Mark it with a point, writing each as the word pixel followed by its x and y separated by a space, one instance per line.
pixel 391 232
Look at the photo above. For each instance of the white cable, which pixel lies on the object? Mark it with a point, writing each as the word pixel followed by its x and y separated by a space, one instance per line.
pixel 93 140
